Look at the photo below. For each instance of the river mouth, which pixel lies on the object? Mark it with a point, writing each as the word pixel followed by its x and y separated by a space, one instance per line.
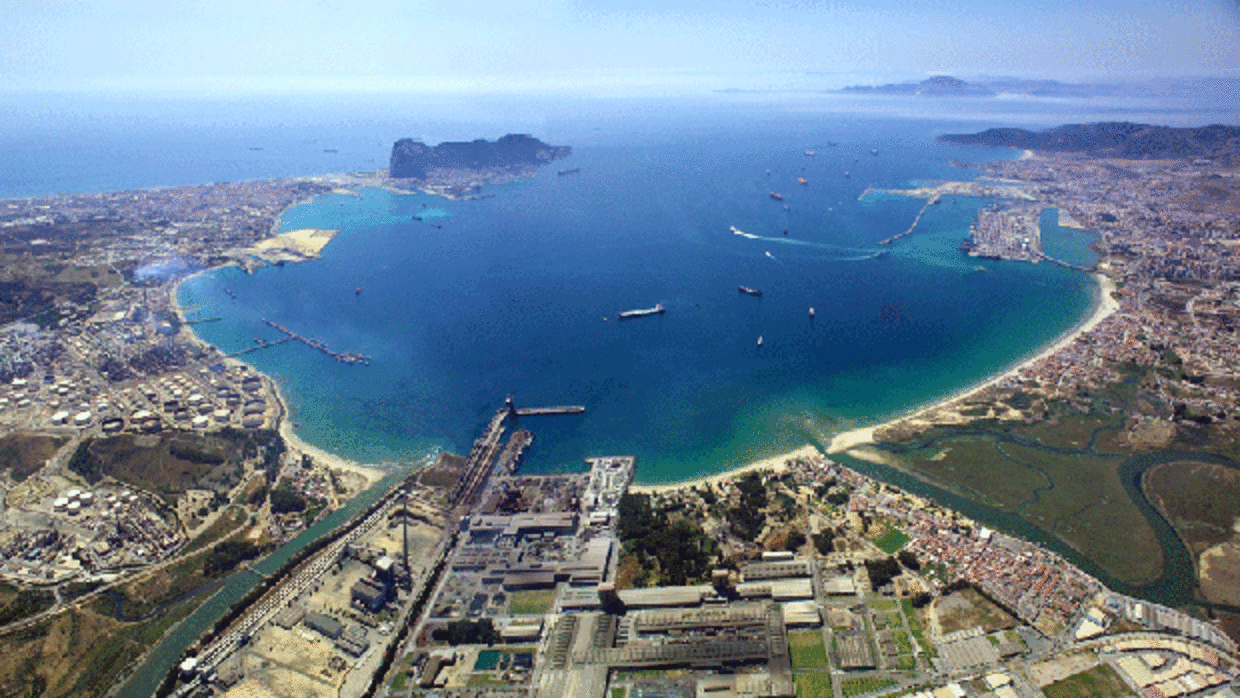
pixel 1172 582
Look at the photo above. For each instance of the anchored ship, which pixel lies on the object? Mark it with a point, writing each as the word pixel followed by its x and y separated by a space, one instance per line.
pixel 750 291
pixel 656 310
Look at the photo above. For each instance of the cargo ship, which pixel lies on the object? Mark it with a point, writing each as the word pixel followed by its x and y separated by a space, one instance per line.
pixel 571 170
pixel 750 291
pixel 777 196
pixel 656 310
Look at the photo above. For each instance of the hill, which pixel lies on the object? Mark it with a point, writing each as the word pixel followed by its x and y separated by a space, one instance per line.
pixel 412 159
pixel 1123 140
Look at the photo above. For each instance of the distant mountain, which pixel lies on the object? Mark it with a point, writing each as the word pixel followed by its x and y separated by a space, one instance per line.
pixel 412 159
pixel 937 86
pixel 1225 90
pixel 1116 140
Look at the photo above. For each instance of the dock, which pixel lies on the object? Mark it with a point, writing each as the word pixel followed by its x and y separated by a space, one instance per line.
pixel 342 357
pixel 548 411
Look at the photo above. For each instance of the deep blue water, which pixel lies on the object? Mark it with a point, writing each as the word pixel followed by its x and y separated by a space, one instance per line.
pixel 510 296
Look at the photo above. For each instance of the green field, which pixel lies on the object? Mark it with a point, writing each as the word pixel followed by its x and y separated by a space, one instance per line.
pixel 858 687
pixel 1099 682
pixel 892 541
pixel 807 649
pixel 813 685
pixel 531 602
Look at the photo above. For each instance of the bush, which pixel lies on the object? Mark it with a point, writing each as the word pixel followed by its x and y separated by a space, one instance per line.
pixel 227 555
pixel 467 632
pixel 284 500
pixel 796 539
pixel 86 464
pixel 824 541
pixel 882 571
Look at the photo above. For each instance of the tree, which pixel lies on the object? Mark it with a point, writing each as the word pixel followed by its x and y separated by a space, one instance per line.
pixel 824 541
pixel 909 560
pixel 882 571
pixel 795 541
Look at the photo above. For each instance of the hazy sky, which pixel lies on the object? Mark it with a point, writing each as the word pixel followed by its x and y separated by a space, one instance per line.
pixel 483 45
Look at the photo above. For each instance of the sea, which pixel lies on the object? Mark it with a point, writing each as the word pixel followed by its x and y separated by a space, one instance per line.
pixel 465 303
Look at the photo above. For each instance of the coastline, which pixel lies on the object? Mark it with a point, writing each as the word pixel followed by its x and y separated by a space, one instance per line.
pixel 776 463
pixel 1104 308
pixel 283 424
pixel 863 436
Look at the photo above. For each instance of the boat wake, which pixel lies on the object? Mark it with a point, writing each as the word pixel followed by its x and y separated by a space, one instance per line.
pixel 859 254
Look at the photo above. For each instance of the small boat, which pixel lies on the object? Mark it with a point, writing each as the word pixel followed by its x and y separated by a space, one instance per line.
pixel 785 231
pixel 330 150
pixel 759 340
pixel 809 153
pixel 847 175
pixel 802 181
pixel 768 173
pixel 811 312
pixel 357 291
pixel 874 152
pixel 777 196
pixel 255 148
pixel 832 144
pixel 571 170
pixel 750 291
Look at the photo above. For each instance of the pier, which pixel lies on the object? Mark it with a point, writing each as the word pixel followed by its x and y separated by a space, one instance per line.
pixel 342 357
pixel 260 345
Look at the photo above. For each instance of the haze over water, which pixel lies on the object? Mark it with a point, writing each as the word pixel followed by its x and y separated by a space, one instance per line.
pixel 510 296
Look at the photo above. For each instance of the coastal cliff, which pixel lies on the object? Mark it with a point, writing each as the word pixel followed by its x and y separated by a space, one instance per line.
pixel 413 160
pixel 1116 140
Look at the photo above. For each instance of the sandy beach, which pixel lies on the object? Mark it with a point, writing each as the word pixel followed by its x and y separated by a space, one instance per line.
pixel 285 427
pixel 862 436
pixel 1105 307
pixel 774 463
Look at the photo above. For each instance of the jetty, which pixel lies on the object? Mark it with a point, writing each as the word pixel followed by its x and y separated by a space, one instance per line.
pixel 929 202
pixel 342 357
pixel 260 344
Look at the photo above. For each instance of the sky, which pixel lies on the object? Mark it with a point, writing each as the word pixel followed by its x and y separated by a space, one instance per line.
pixel 596 45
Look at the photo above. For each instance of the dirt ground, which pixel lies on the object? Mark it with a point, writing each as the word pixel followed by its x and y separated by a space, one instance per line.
pixel 966 609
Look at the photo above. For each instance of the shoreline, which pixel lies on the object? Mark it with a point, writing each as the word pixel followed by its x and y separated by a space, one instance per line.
pixel 843 442
pixel 863 436
pixel 1105 307
pixel 283 424
pixel 776 463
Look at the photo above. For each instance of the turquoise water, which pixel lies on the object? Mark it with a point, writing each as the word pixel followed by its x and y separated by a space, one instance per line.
pixel 517 294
